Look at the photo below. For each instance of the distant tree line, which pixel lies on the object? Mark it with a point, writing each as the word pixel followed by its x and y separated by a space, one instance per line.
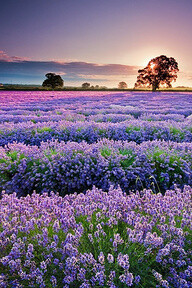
pixel 160 72
pixel 87 85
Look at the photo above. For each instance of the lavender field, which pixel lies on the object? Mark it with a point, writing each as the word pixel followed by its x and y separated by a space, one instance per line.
pixel 95 189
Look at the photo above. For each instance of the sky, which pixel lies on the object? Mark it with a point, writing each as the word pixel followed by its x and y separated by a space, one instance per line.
pixel 99 41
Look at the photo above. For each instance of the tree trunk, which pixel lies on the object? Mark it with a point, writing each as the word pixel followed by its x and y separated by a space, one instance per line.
pixel 154 88
pixel 155 85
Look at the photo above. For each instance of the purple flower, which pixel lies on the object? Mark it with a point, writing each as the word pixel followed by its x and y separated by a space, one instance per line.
pixel 110 258
pixel 101 258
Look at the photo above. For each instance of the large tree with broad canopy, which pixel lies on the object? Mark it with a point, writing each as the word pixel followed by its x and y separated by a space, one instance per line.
pixel 53 81
pixel 160 71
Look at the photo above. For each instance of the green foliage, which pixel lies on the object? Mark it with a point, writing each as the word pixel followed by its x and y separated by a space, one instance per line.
pixel 33 121
pixel 176 131
pixel 131 128
pixel 167 164
pixel 105 152
pixel 139 261
pixel 102 131
pixel 44 129
pixel 128 159
pixel 59 113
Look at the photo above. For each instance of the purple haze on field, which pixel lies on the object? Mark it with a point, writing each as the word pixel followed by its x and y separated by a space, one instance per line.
pixel 32 117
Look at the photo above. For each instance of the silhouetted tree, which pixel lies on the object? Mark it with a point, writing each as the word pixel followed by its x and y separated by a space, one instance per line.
pixel 86 85
pixel 122 85
pixel 53 81
pixel 159 71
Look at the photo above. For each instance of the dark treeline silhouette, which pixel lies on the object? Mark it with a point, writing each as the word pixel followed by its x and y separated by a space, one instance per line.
pixel 160 72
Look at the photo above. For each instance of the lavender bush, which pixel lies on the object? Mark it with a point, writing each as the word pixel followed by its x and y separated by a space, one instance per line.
pixel 97 239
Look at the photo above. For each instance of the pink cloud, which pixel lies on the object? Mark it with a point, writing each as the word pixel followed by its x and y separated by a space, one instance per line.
pixel 5 57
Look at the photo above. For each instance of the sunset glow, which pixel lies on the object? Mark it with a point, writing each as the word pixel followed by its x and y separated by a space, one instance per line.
pixel 90 34
pixel 152 65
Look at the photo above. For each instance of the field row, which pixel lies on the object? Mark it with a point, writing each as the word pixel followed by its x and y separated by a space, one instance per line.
pixel 18 116
pixel 133 130
pixel 70 167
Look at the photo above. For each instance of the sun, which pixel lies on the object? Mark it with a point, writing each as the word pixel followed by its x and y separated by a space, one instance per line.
pixel 152 65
